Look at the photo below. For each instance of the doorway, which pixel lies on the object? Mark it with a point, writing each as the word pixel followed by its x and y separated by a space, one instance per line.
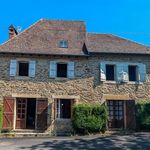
pixel 25 113
pixel 116 113
pixel 31 111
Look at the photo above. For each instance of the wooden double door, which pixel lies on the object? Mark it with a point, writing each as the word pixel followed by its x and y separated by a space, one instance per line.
pixel 28 113
pixel 121 114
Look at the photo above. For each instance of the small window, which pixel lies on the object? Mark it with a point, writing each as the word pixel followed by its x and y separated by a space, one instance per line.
pixel 23 69
pixel 110 72
pixel 63 44
pixel 62 70
pixel 132 73
pixel 63 109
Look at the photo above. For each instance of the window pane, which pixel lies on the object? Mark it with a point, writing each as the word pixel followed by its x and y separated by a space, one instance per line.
pixel 132 73
pixel 110 72
pixel 62 70
pixel 23 69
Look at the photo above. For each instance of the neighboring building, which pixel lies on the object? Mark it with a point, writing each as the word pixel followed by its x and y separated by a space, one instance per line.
pixel 53 65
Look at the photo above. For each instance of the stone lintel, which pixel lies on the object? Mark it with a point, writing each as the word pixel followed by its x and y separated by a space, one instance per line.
pixel 116 97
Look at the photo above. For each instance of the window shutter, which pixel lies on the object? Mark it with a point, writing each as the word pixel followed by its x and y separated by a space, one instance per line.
pixel 70 70
pixel 142 72
pixel 13 68
pixel 122 71
pixel 102 71
pixel 52 69
pixel 32 69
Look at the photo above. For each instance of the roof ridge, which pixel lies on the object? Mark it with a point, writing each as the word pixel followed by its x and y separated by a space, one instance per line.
pixel 118 36
pixel 22 32
pixel 64 20
pixel 129 40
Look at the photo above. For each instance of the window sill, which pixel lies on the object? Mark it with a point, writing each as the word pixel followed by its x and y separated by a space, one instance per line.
pixel 61 79
pixel 110 82
pixel 134 82
pixel 129 82
pixel 22 77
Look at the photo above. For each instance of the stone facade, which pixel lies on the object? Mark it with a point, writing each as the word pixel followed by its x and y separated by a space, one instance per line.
pixel 86 87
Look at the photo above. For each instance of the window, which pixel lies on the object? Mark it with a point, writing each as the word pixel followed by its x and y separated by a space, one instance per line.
pixel 110 72
pixel 132 70
pixel 63 109
pixel 63 44
pixel 23 69
pixel 62 70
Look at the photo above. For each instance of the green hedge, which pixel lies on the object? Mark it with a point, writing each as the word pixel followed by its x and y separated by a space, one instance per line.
pixel 1 116
pixel 89 118
pixel 143 115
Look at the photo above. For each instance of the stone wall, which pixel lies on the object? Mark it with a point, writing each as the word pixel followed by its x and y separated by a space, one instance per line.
pixel 86 86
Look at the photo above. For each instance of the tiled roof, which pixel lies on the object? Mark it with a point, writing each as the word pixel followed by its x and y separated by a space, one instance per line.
pixel 43 38
pixel 108 43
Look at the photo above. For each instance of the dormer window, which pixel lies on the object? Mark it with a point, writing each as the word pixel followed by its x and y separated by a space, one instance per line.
pixel 63 44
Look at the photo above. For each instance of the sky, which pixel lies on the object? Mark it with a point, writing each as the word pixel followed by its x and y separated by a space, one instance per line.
pixel 129 19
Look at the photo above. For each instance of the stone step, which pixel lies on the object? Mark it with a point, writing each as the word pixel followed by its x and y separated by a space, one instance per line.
pixel 27 131
pixel 20 135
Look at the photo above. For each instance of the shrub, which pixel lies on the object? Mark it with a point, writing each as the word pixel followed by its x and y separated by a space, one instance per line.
pixel 1 115
pixel 143 115
pixel 89 118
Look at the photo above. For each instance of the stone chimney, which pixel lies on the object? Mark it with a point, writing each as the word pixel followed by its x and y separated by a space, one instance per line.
pixel 12 31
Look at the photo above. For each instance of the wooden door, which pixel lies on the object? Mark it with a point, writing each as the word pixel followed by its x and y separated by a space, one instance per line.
pixel 42 111
pixel 21 110
pixel 116 113
pixel 8 113
pixel 130 114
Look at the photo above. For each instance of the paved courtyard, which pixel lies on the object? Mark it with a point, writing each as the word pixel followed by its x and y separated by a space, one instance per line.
pixel 137 141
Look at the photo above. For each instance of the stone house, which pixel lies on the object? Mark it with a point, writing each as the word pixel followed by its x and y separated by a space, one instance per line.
pixel 55 64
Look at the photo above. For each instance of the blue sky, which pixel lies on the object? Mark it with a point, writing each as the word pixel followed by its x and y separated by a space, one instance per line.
pixel 127 18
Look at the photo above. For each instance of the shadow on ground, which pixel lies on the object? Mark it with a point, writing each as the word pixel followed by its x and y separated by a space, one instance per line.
pixel 135 142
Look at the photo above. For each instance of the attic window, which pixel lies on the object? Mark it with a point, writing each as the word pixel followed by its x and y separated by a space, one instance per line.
pixel 63 44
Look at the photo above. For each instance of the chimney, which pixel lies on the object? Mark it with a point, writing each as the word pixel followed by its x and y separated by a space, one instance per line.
pixel 12 31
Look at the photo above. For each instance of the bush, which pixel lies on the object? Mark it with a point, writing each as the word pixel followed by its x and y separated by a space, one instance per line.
pixel 1 116
pixel 143 115
pixel 89 118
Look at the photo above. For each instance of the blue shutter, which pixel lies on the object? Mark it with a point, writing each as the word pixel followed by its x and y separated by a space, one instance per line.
pixel 13 68
pixel 70 70
pixel 32 69
pixel 52 69
pixel 102 71
pixel 142 72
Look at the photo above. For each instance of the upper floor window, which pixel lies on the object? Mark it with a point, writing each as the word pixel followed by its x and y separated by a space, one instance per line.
pixel 62 70
pixel 23 68
pixel 132 73
pixel 63 44
pixel 122 71
pixel 110 72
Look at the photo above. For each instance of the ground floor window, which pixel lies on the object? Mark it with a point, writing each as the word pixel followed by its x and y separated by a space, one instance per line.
pixel 63 108
pixel 116 113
